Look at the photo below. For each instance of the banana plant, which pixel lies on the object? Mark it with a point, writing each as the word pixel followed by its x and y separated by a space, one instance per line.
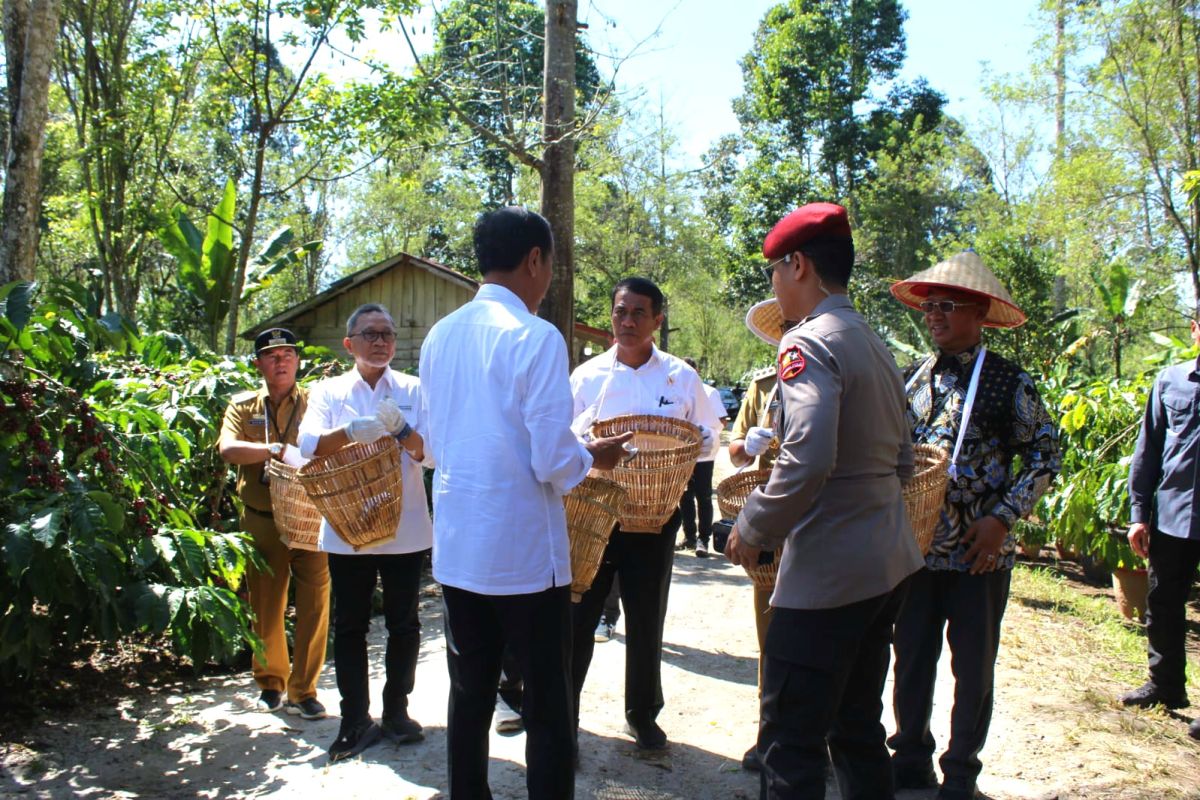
pixel 1120 298
pixel 207 261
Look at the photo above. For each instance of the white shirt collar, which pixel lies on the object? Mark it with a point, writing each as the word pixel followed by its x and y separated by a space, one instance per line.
pixel 355 378
pixel 655 358
pixel 500 294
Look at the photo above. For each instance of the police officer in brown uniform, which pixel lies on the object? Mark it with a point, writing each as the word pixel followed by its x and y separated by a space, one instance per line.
pixel 258 426
pixel 834 502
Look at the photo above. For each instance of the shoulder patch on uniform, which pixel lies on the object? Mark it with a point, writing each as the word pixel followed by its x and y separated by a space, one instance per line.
pixel 242 397
pixel 791 363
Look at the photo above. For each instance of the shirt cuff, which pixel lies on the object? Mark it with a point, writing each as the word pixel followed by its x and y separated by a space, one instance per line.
pixel 1005 513
pixel 755 537
pixel 1139 514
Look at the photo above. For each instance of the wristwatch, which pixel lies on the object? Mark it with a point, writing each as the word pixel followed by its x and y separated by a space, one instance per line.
pixel 275 448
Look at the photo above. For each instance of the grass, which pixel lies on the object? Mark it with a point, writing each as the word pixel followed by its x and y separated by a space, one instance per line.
pixel 1068 654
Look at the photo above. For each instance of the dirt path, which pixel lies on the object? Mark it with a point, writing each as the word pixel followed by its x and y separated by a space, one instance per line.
pixel 1056 733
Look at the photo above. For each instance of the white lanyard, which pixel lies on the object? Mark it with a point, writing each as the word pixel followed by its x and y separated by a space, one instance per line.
pixel 968 404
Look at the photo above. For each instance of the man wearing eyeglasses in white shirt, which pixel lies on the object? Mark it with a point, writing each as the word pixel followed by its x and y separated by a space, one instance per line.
pixel 366 403
pixel 494 379
pixel 635 377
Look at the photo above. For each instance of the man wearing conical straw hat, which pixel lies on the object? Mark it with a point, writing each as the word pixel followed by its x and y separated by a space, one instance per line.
pixel 984 411
pixel 834 502
pixel 753 437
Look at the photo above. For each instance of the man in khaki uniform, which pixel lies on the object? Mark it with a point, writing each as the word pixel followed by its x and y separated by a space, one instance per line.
pixel 258 426
pixel 834 502
pixel 753 437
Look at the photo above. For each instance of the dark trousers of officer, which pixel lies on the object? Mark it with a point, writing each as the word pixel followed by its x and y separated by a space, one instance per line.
pixel 642 562
pixel 354 579
pixel 536 628
pixel 969 608
pixel 822 697
pixel 697 501
pixel 1173 563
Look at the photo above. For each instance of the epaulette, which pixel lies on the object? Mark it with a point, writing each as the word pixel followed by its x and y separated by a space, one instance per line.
pixel 765 372
pixel 242 397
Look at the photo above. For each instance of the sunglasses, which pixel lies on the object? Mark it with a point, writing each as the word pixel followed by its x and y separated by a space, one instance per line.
pixel 944 306
pixel 769 269
pixel 375 336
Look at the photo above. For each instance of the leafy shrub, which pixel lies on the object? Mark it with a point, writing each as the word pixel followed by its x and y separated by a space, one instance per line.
pixel 113 500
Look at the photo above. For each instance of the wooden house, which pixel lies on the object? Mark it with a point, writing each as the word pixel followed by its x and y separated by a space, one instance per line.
pixel 416 291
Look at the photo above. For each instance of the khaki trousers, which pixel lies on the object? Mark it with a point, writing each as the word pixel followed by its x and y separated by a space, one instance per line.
pixel 762 619
pixel 269 598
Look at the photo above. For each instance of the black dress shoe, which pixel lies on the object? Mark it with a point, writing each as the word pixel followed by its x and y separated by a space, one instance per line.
pixel 1150 695
pixel 1194 728
pixel 915 776
pixel 750 761
pixel 949 793
pixel 352 739
pixel 647 735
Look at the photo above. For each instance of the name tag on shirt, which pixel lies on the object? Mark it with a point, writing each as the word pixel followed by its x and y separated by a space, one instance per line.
pixel 258 420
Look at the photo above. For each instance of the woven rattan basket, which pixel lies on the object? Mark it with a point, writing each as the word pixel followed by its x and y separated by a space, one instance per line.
pixel 925 494
pixel 592 509
pixel 731 496
pixel 655 479
pixel 296 518
pixel 359 490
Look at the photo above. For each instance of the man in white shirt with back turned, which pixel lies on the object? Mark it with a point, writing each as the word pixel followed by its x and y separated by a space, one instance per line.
pixel 494 379
pixel 367 403
pixel 635 377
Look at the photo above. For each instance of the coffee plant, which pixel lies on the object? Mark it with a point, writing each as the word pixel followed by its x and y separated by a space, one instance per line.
pixel 114 504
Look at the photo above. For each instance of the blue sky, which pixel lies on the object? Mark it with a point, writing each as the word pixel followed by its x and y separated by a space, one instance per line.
pixel 692 63
pixel 686 53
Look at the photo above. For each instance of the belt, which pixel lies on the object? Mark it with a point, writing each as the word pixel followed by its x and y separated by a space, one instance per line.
pixel 267 514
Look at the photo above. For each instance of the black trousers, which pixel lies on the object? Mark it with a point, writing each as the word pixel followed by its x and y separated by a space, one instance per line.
pixel 823 697
pixel 642 562
pixel 697 501
pixel 1173 563
pixel 537 630
pixel 969 608
pixel 353 582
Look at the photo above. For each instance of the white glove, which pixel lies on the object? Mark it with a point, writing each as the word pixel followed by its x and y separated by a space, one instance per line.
pixel 390 415
pixel 706 439
pixel 758 440
pixel 364 430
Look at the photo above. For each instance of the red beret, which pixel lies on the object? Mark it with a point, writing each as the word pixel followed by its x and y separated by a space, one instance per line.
pixel 813 221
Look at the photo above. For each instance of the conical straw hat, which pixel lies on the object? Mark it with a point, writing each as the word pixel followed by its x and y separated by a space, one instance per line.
pixel 967 272
pixel 765 320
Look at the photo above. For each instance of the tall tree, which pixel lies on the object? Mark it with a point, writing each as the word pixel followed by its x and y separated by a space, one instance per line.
pixel 275 107
pixel 485 73
pixel 128 95
pixel 558 170
pixel 30 29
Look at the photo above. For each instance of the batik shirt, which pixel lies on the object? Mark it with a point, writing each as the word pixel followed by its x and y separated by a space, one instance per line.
pixel 1008 421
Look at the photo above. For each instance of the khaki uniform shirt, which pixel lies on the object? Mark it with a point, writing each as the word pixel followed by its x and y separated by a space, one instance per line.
pixel 760 407
pixel 250 418
pixel 834 495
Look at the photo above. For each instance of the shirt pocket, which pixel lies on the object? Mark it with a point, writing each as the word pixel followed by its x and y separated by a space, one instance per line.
pixel 1180 409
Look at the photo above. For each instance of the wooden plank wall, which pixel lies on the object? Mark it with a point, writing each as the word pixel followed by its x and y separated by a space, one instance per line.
pixel 416 298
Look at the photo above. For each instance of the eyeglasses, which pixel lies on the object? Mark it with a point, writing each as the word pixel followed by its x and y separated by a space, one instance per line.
pixel 375 336
pixel 944 306
pixel 769 269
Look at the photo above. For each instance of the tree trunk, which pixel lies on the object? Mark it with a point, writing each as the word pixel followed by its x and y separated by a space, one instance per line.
pixel 30 30
pixel 558 171
pixel 247 241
